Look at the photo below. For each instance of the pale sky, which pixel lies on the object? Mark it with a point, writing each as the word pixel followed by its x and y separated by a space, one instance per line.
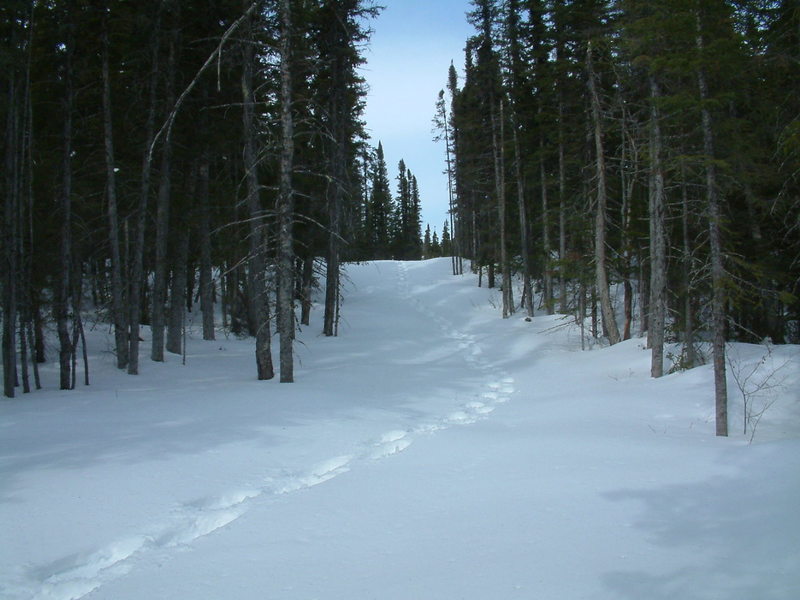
pixel 412 45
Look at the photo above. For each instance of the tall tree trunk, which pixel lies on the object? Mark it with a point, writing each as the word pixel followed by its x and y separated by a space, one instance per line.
pixel 627 179
pixel 256 272
pixel 332 263
pixel 117 291
pixel 10 241
pixel 204 235
pixel 78 334
pixel 61 301
pixel 177 300
pixel 658 244
pixel 644 293
pixel 690 356
pixel 336 150
pixel 718 315
pixel 548 271
pixel 601 269
pixel 562 215
pixel 498 142
pixel 158 316
pixel 307 280
pixel 137 262
pixel 527 286
pixel 285 208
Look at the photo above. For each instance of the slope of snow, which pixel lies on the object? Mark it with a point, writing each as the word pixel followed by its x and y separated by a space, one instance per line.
pixel 433 450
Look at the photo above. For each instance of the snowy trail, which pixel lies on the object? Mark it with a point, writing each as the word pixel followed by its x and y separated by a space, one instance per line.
pixel 75 576
pixel 397 468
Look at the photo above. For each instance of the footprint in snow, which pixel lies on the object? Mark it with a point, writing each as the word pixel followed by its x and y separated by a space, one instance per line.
pixel 480 408
pixel 322 472
pixel 461 417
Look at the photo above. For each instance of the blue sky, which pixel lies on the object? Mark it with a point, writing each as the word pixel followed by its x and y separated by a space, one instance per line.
pixel 412 45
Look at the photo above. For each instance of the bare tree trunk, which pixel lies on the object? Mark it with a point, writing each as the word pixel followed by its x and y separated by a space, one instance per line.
pixel 177 301
pixel 137 262
pixel 601 269
pixel 527 286
pixel 77 323
pixel 717 260
pixel 204 235
pixel 256 272
pixel 62 293
pixel 548 270
pixel 628 173
pixel 285 208
pixel 158 316
pixel 10 269
pixel 690 356
pixel 500 189
pixel 658 245
pixel 307 278
pixel 117 290
pixel 337 109
pixel 644 294
pixel 332 266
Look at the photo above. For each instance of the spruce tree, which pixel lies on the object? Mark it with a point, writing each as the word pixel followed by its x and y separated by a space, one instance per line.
pixel 381 208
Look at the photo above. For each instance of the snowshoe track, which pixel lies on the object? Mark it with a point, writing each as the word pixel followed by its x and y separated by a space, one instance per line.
pixel 76 576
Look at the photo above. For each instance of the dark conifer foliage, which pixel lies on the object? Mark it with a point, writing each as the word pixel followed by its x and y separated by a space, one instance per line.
pixel 646 147
pixel 175 156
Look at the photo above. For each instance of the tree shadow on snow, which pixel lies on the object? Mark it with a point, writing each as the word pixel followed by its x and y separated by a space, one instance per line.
pixel 738 537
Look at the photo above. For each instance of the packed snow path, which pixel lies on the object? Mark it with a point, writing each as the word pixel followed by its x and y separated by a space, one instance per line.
pixel 198 482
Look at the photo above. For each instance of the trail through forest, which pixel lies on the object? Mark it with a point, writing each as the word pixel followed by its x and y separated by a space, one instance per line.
pixel 432 450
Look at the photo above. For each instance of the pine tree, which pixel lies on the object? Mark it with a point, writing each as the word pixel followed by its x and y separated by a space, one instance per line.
pixel 381 208
pixel 446 241
pixel 426 243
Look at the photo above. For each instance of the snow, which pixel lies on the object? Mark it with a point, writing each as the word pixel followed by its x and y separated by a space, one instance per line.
pixel 433 450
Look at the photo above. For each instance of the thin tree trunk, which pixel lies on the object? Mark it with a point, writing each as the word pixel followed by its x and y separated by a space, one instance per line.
pixel 601 269
pixel 77 323
pixel 527 287
pixel 498 142
pixel 204 235
pixel 658 246
pixel 548 271
pixel 177 302
pixel 137 266
pixel 626 191
pixel 332 270
pixel 337 157
pixel 285 208
pixel 117 291
pixel 307 278
pixel 10 243
pixel 23 355
pixel 562 218
pixel 644 294
pixel 562 179
pixel 717 260
pixel 256 272
pixel 61 300
pixel 158 316
pixel 690 356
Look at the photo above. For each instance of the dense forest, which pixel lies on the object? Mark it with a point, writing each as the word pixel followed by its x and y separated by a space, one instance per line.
pixel 172 156
pixel 169 156
pixel 633 145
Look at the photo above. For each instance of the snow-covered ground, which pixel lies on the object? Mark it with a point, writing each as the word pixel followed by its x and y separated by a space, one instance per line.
pixel 432 451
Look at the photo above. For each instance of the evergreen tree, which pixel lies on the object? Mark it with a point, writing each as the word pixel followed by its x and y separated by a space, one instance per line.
pixel 381 208
pixel 436 248
pixel 426 243
pixel 446 241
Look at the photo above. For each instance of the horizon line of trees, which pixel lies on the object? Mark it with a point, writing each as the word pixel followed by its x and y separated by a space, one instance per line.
pixel 649 144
